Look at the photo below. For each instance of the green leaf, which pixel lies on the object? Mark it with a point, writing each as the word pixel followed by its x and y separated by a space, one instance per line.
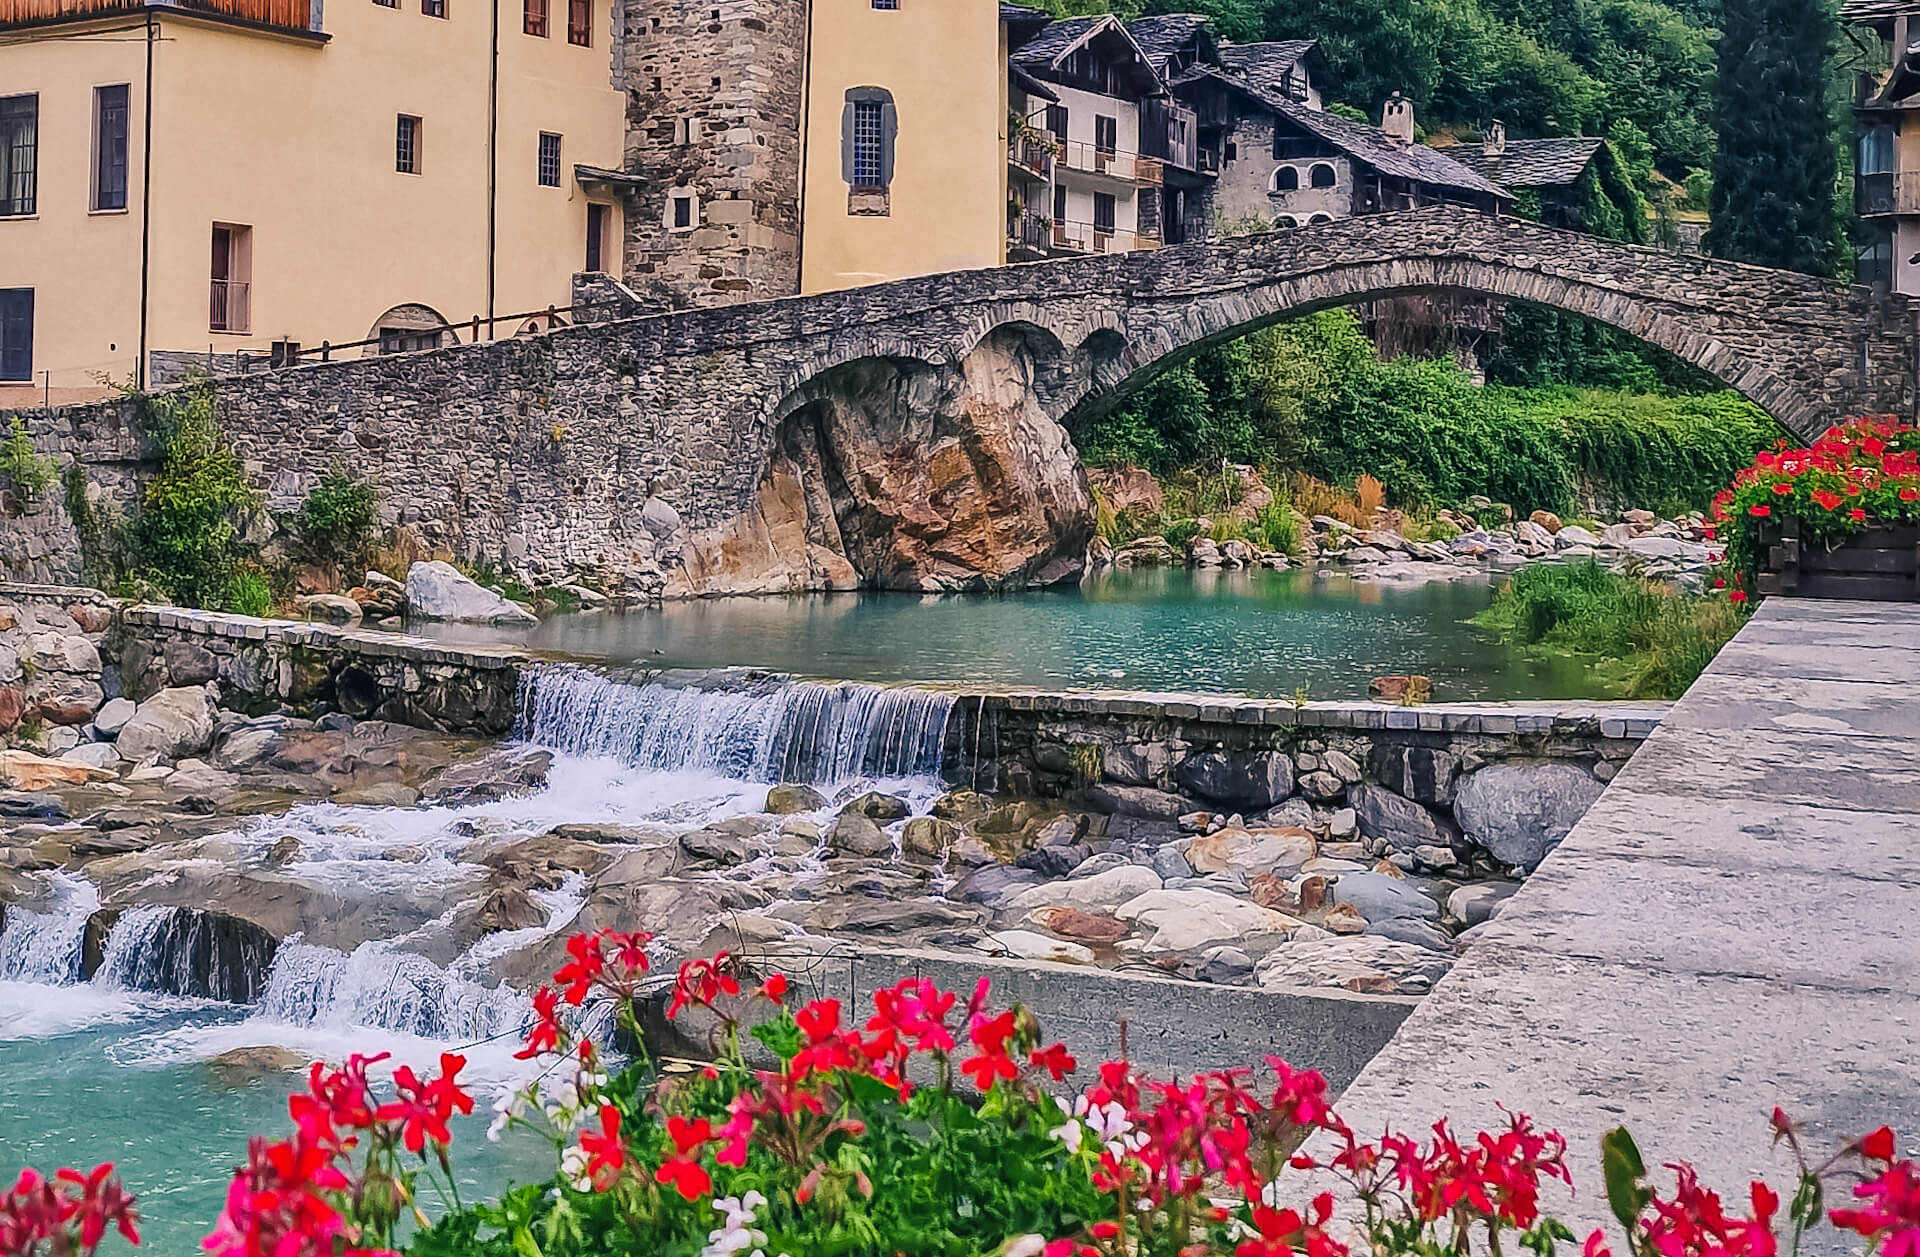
pixel 1626 1175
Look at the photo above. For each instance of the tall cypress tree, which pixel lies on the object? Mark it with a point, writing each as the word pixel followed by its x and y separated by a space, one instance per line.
pixel 1774 171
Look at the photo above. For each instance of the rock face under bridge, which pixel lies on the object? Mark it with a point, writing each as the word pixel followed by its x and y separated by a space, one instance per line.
pixel 911 435
pixel 894 475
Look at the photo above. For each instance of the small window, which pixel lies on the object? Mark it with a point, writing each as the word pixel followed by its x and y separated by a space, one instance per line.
pixel 681 211
pixel 1317 219
pixel 229 301
pixel 434 8
pixel 549 160
pixel 1106 135
pixel 867 129
pixel 686 130
pixel 1233 151
pixel 1286 179
pixel 1286 222
pixel 110 147
pixel 598 216
pixel 1057 121
pixel 19 154
pixel 1322 175
pixel 580 23
pixel 1103 212
pixel 886 4
pixel 406 144
pixel 1059 203
pixel 533 18
pixel 16 333
pixel 1876 151
pixel 385 4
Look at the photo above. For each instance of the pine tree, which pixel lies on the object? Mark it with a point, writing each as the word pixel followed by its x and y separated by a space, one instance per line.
pixel 1774 200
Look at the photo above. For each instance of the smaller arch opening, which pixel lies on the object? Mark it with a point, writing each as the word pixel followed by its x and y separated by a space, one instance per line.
pixel 1285 222
pixel 1286 179
pixel 409 327
pixel 1317 219
pixel 1322 175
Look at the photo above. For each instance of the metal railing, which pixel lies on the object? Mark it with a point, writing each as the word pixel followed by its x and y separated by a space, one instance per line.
pixel 1029 233
pixel 1089 158
pixel 1087 238
pixel 229 308
pixel 293 355
pixel 1035 156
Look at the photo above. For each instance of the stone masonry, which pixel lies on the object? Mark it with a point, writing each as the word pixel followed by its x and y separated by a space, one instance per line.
pixel 914 434
pixel 713 121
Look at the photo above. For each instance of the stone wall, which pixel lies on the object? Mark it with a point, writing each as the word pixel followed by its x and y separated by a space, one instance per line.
pixel 274 665
pixel 643 451
pixel 1433 786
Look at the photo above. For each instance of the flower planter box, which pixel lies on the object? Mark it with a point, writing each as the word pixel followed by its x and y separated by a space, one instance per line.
pixel 1880 564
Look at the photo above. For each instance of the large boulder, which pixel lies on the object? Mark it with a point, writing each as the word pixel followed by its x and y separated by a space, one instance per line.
pixel 437 591
pixel 1402 822
pixel 1250 781
pixel 171 725
pixel 1362 962
pixel 23 770
pixel 1250 852
pixel 1102 890
pixel 1378 897
pixel 1196 918
pixel 1521 811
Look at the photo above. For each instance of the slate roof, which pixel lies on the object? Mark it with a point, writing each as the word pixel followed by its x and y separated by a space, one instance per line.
pixel 1162 35
pixel 1046 47
pixel 1876 10
pixel 1264 63
pixel 1377 149
pixel 1551 163
pixel 1030 85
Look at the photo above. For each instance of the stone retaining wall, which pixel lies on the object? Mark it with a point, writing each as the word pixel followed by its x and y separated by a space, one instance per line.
pixel 1504 779
pixel 264 665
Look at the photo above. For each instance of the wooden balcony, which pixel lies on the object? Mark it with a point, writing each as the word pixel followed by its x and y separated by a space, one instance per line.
pixel 288 15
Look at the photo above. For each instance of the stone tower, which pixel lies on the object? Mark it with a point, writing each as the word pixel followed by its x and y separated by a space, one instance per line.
pixel 714 98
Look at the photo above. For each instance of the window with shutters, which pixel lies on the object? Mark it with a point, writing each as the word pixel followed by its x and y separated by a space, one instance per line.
pixel 19 154
pixel 1103 212
pixel 110 148
pixel 16 333
pixel 230 295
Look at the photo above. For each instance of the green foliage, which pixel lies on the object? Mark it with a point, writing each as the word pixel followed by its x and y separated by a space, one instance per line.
pixel 1310 395
pixel 99 528
pixel 1658 639
pixel 185 542
pixel 27 471
pixel 1664 454
pixel 1775 167
pixel 249 592
pixel 1277 527
pixel 335 525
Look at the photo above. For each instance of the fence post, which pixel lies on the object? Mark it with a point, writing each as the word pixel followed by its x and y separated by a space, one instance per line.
pixel 326 351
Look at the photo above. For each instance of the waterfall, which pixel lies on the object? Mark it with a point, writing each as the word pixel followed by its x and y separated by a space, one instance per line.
pixel 767 729
pixel 387 989
pixel 47 946
pixel 181 951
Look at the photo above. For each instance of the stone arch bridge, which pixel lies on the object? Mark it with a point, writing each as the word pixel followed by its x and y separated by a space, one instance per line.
pixel 913 434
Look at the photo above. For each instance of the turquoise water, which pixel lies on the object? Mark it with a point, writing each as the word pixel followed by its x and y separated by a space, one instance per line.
pixel 1252 632
pixel 96 1076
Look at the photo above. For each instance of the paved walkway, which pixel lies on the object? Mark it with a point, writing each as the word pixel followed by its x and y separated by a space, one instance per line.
pixel 1735 924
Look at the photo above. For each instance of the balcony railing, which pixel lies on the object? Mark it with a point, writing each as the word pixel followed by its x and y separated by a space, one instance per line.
pixel 295 15
pixel 1029 234
pixel 1891 193
pixel 1087 238
pixel 1087 158
pixel 1031 156
pixel 228 307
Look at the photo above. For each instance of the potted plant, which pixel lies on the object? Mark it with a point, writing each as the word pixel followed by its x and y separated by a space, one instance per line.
pixel 1838 519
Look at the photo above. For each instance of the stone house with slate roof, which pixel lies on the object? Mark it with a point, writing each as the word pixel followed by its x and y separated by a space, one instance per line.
pixel 1886 116
pixel 1550 168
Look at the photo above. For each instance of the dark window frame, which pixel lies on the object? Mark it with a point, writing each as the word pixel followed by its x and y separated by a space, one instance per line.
pixel 112 115
pixel 547 160
pixel 406 144
pixel 20 155
pixel 434 8
pixel 16 335
pixel 1111 203
pixel 869 131
pixel 599 217
pixel 533 18
pixel 580 23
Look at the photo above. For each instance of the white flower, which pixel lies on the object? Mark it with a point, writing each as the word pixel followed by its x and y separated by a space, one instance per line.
pixel 1069 1133
pixel 1026 1245
pixel 573 1164
pixel 1109 1120
pixel 506 1106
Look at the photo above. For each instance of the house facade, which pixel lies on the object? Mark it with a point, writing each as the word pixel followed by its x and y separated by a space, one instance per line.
pixel 1886 116
pixel 204 180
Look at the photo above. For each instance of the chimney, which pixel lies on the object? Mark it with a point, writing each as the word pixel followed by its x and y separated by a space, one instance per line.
pixel 1397 119
pixel 1493 141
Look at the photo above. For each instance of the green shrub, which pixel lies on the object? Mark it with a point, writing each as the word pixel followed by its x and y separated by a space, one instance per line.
pixel 1277 527
pixel 1178 532
pixel 1658 639
pixel 335 525
pixel 249 593
pixel 185 541
pixel 1225 528
pixel 27 471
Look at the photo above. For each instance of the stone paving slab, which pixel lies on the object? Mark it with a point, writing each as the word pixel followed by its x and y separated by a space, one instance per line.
pixel 1732 926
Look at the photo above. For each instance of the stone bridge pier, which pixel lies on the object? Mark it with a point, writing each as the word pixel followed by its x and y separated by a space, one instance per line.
pixel 913 435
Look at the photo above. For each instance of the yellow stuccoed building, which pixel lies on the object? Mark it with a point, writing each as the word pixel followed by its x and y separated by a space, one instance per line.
pixel 214 176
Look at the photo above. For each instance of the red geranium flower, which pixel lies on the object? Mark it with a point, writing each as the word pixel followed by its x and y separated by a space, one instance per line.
pixel 1760 510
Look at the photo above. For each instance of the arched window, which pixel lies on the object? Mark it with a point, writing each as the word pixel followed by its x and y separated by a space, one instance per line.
pixel 406 328
pixel 1286 222
pixel 1317 219
pixel 1286 179
pixel 1322 175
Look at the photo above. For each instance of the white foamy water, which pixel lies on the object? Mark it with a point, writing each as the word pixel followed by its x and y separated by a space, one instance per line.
pixel 45 946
